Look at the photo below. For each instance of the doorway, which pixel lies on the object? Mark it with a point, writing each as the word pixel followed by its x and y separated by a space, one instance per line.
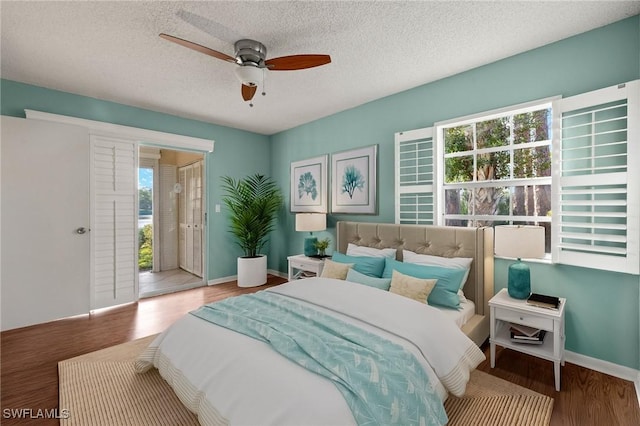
pixel 171 212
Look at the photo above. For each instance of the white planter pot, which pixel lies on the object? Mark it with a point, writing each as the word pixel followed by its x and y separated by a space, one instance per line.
pixel 252 271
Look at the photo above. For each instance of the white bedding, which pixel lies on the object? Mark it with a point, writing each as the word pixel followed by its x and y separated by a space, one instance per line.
pixel 465 313
pixel 229 378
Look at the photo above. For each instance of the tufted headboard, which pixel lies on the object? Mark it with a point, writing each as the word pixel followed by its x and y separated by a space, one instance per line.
pixel 445 241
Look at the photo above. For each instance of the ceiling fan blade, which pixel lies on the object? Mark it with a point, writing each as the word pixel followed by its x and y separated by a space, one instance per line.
pixel 297 62
pixel 248 92
pixel 199 48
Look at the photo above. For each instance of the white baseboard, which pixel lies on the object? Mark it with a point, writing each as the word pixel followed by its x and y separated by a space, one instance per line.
pixel 605 367
pixel 637 383
pixel 222 280
pixel 235 277
pixel 278 273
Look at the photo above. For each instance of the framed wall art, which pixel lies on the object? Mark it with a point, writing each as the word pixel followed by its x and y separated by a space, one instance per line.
pixel 309 185
pixel 353 181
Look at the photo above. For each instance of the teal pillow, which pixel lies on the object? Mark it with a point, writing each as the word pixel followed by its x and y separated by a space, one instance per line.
pixel 357 277
pixel 445 293
pixel 371 266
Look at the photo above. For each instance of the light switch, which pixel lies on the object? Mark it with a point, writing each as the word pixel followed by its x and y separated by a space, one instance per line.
pixel 217 208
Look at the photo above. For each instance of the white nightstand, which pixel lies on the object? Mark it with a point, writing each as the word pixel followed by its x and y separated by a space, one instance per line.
pixel 505 310
pixel 300 264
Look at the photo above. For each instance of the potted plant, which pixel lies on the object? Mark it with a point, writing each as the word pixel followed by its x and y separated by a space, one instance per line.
pixel 322 245
pixel 253 203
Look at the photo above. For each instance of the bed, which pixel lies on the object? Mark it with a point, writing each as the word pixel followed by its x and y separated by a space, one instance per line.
pixel 445 241
pixel 297 354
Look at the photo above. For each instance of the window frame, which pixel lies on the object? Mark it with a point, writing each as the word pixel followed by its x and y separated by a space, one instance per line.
pixel 440 187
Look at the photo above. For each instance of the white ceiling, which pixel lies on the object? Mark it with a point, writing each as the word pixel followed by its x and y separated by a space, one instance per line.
pixel 111 50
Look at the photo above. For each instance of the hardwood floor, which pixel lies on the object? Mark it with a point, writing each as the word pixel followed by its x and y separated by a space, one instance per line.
pixel 30 356
pixel 586 397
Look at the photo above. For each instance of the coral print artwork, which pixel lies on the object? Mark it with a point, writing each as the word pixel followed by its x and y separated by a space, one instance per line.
pixel 354 181
pixel 309 185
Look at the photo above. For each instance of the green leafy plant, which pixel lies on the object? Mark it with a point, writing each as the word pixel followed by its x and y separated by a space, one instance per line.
pixel 145 247
pixel 253 203
pixel 322 245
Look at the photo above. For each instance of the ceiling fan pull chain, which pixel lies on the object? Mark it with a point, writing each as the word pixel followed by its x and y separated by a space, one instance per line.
pixel 264 88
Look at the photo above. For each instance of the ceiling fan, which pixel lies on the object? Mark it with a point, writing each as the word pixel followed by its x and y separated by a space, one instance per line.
pixel 250 57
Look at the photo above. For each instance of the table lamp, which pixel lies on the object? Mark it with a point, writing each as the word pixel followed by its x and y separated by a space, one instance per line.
pixel 519 241
pixel 310 222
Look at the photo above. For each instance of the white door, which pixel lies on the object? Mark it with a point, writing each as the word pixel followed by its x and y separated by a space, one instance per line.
pixel 189 220
pixel 196 206
pixel 191 213
pixel 182 216
pixel 45 205
pixel 114 211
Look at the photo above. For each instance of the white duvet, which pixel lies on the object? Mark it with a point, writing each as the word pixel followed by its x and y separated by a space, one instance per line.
pixel 229 378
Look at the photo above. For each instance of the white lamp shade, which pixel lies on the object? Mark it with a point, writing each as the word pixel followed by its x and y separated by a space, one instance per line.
pixel 311 222
pixel 249 75
pixel 520 241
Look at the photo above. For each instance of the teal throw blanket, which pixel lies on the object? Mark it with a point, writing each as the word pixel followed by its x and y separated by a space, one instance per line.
pixel 382 383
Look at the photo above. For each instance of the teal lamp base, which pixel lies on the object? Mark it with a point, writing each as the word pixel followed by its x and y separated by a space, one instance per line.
pixel 310 246
pixel 519 284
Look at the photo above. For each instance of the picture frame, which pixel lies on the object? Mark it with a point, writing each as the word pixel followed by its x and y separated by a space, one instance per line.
pixel 354 181
pixel 309 185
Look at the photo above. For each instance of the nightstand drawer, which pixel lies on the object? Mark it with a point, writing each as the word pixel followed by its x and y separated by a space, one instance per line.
pixel 524 319
pixel 303 265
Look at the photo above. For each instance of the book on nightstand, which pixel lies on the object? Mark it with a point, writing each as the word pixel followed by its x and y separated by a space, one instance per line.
pixel 543 301
pixel 536 338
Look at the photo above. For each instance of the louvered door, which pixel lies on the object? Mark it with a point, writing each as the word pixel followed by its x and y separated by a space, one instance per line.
pixel 190 213
pixel 168 217
pixel 113 228
pixel 196 208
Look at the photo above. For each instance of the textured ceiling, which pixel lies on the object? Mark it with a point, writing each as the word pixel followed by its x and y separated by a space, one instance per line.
pixel 111 50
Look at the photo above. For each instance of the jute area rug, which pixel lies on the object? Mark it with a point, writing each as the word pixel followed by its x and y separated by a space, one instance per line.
pixel 101 388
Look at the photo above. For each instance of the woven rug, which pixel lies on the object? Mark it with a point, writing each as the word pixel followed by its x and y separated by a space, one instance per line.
pixel 101 388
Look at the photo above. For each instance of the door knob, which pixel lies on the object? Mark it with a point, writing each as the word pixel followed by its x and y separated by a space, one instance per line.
pixel 82 230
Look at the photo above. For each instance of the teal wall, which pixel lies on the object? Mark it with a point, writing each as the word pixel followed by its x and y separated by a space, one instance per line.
pixel 236 153
pixel 603 310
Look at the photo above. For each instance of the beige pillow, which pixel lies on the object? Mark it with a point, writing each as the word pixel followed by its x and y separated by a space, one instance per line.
pixel 336 270
pixel 411 287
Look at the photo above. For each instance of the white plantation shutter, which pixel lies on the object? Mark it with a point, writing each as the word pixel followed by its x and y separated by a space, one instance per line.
pixel 113 227
pixel 596 171
pixel 414 173
pixel 168 217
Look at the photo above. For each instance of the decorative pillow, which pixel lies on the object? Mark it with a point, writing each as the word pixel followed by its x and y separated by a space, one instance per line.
pixel 444 262
pixel 372 266
pixel 354 250
pixel 445 293
pixel 335 269
pixel 357 277
pixel 411 287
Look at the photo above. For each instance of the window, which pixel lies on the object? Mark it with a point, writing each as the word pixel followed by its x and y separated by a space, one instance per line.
pixel 571 165
pixel 495 168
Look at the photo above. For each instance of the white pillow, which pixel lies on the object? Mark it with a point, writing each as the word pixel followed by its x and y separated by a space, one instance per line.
pixel 354 250
pixel 443 262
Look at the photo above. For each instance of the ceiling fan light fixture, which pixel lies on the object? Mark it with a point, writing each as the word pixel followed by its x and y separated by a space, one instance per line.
pixel 249 75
